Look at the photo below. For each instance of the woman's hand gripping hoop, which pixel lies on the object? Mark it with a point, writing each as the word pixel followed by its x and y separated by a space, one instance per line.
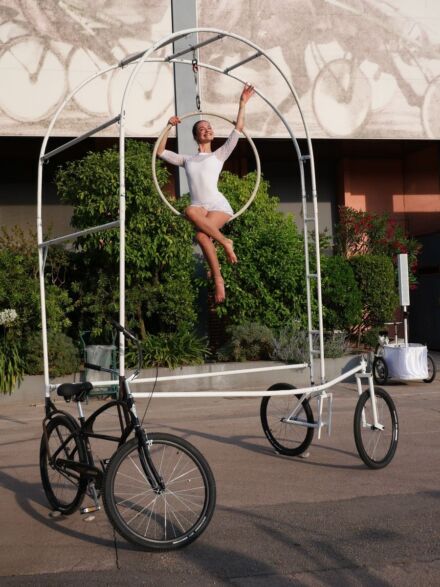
pixel 251 142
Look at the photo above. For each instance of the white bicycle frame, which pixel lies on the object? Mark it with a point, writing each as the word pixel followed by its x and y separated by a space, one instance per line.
pixel 310 219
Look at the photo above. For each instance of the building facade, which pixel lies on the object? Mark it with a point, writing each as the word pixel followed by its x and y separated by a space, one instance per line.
pixel 366 72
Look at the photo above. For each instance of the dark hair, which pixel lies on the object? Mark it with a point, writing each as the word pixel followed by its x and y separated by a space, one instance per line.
pixel 194 128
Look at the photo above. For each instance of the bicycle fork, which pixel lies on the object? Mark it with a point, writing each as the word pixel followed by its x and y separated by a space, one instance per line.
pixel 150 471
pixel 376 424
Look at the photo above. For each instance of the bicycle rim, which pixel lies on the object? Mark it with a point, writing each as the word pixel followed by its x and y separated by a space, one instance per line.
pixel 64 488
pixel 172 518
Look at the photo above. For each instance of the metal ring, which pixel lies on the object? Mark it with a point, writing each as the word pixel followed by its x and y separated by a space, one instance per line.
pixel 251 142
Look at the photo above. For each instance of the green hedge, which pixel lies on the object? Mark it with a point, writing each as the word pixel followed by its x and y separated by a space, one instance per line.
pixel 375 277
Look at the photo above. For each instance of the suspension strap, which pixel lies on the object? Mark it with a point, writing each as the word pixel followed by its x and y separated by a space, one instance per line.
pixel 195 68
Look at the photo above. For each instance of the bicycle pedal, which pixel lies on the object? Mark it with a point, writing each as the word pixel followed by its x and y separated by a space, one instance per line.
pixel 90 509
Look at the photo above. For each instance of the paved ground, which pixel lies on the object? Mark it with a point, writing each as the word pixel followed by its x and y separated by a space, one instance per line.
pixel 324 520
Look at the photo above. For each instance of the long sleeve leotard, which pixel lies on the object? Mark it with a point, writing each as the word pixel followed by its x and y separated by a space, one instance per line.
pixel 202 171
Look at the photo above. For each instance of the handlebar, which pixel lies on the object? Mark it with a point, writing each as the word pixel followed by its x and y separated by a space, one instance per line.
pixel 132 337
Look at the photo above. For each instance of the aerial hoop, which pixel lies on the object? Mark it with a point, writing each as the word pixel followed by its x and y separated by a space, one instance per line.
pixel 251 142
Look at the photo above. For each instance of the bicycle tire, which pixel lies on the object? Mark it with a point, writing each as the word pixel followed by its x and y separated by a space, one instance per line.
pixel 376 447
pixel 432 370
pixel 287 439
pixel 172 518
pixel 380 371
pixel 64 489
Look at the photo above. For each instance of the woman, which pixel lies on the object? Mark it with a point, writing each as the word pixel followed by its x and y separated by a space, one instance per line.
pixel 209 209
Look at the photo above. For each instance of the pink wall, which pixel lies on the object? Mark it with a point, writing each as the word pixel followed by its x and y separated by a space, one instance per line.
pixel 408 187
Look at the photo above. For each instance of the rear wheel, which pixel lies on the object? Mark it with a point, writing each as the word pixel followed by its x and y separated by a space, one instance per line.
pixel 432 370
pixel 64 488
pixel 376 445
pixel 380 371
pixel 169 518
pixel 285 422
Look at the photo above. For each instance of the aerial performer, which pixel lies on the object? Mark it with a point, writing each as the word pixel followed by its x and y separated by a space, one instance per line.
pixel 209 209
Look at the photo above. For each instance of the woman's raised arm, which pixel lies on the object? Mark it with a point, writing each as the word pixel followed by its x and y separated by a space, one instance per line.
pixel 174 121
pixel 247 92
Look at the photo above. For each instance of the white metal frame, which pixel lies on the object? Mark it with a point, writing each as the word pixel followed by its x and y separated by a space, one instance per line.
pixel 310 221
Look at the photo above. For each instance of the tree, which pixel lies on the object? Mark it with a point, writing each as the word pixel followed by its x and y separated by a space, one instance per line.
pixel 268 283
pixel 159 254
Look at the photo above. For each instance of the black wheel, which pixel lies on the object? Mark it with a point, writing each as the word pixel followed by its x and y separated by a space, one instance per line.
pixel 171 518
pixel 380 371
pixel 375 446
pixel 432 370
pixel 289 436
pixel 64 488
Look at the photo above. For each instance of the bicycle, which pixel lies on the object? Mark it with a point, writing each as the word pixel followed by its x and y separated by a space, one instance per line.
pixel 158 490
pixel 380 368
pixel 289 424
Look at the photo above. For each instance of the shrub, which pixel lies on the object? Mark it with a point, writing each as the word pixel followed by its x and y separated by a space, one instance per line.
pixel 11 364
pixel 159 254
pixel 341 298
pixel 291 344
pixel 171 350
pixel 359 232
pixel 248 342
pixel 375 277
pixel 63 354
pixel 267 286
pixel 19 283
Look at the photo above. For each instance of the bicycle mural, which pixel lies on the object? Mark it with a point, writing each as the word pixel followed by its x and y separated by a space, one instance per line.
pixel 48 47
pixel 362 68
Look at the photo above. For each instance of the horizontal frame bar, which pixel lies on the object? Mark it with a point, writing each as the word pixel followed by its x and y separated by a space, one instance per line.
pixel 81 138
pixel 359 371
pixel 250 58
pixel 307 391
pixel 218 373
pixel 194 47
pixel 74 235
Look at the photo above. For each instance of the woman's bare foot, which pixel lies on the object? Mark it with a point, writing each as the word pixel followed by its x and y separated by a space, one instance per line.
pixel 220 294
pixel 229 250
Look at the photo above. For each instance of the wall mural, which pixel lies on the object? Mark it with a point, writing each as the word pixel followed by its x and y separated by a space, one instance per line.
pixel 50 46
pixel 361 68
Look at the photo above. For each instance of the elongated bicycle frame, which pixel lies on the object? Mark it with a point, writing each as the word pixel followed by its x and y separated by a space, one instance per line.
pixel 310 219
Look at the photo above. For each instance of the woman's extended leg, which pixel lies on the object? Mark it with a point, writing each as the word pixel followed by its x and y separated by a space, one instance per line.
pixel 216 220
pixel 208 248
pixel 210 223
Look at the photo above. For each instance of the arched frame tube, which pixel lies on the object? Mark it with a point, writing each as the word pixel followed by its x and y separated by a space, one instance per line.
pixel 221 35
pixel 137 62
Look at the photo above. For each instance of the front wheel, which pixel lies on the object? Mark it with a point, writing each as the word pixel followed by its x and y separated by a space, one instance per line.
pixel 169 518
pixel 286 422
pixel 64 487
pixel 376 445
pixel 432 370
pixel 380 371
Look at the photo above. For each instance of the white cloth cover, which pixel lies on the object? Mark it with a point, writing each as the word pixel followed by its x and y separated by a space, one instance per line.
pixel 407 362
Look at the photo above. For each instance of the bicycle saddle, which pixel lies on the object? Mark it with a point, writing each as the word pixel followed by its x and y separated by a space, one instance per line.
pixel 75 391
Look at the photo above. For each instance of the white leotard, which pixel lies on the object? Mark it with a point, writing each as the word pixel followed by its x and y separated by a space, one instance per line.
pixel 202 171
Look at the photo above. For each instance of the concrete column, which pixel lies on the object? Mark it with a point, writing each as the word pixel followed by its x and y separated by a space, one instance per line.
pixel 184 16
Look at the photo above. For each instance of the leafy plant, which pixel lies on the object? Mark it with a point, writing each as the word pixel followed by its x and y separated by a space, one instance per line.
pixel 359 232
pixel 248 342
pixel 267 286
pixel 11 365
pixel 375 277
pixel 159 253
pixel 19 283
pixel 63 354
pixel 171 349
pixel 291 344
pixel 341 297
